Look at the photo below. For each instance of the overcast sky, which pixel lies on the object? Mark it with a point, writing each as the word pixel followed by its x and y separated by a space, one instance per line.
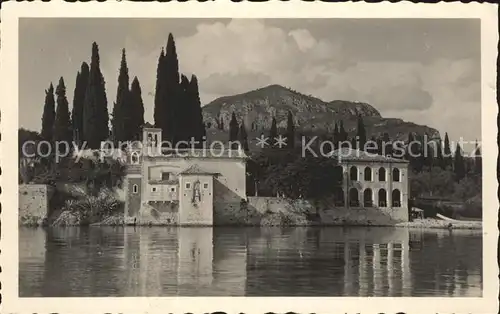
pixel 421 70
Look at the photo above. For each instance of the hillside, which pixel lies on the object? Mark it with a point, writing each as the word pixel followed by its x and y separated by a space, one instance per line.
pixel 312 115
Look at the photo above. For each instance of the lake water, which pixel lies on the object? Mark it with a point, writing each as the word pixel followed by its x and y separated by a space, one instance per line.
pixel 154 261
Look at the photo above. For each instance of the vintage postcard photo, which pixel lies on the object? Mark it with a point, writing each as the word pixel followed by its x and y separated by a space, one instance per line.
pixel 197 157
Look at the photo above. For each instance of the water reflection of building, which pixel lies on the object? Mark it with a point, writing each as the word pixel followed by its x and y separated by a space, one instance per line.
pixel 151 261
pixel 184 261
pixel 230 260
pixel 376 262
pixel 195 255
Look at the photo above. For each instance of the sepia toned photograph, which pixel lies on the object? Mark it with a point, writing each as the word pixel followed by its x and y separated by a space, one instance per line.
pixel 307 156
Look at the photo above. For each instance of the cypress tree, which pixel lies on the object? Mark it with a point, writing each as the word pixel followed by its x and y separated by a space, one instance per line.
pixel 478 162
pixel 82 78
pixel 342 133
pixel 137 108
pixel 380 146
pixel 62 125
pixel 172 123
pixel 199 126
pixel 386 144
pixel 221 124
pixel 233 130
pixel 447 156
pixel 158 115
pixel 336 135
pixel 49 115
pixel 459 164
pixel 184 109
pixel 361 133
pixel 121 111
pixel 411 151
pixel 273 132
pixel 290 131
pixel 95 109
pixel 243 137
pixel 439 155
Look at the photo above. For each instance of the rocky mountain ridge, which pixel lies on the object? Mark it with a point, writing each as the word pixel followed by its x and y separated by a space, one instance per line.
pixel 312 115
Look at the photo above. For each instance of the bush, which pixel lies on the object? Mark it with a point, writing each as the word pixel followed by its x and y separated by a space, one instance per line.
pixel 92 209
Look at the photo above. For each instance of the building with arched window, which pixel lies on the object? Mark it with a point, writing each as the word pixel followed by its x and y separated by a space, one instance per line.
pixel 182 186
pixel 374 181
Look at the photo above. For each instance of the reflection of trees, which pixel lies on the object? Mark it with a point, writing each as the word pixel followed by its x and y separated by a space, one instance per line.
pixel 78 262
pixel 446 264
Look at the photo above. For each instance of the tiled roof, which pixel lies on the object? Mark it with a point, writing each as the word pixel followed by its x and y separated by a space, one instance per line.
pixel 193 153
pixel 195 169
pixel 168 182
pixel 349 154
pixel 205 153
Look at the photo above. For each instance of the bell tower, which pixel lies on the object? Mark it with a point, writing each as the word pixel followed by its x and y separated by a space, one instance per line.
pixel 151 141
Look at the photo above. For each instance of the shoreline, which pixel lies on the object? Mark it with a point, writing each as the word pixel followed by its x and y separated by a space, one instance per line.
pixel 428 223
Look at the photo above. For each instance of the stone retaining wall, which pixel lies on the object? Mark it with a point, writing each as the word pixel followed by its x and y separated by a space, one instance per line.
pixel 33 203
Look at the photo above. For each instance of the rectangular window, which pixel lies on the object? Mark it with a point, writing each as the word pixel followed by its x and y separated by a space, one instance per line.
pixel 188 185
pixel 153 189
pixel 205 186
pixel 172 189
pixel 165 176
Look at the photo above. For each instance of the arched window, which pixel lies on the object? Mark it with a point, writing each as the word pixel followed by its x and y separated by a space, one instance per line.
pixel 368 174
pixel 134 157
pixel 381 174
pixel 395 175
pixel 396 198
pixel 339 197
pixel 382 198
pixel 368 198
pixel 353 197
pixel 135 189
pixel 353 173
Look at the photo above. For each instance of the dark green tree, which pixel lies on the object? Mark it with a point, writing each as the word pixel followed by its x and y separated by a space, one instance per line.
pixel 386 144
pixel 342 133
pixel 438 153
pixel 361 133
pixel 137 107
pixel 336 135
pixel 184 110
pixel 62 125
pixel 290 131
pixel 82 78
pixel 447 155
pixel 243 137
pixel 158 115
pixel 173 125
pixel 49 115
pixel 458 164
pixel 273 132
pixel 95 109
pixel 233 131
pixel 197 115
pixel 121 110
